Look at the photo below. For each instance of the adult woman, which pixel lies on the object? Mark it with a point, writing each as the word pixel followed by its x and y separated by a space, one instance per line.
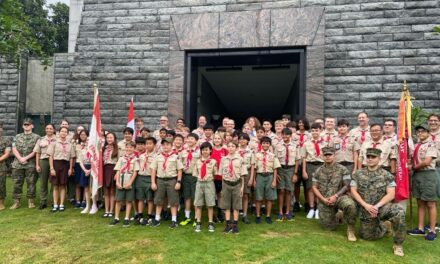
pixel 254 123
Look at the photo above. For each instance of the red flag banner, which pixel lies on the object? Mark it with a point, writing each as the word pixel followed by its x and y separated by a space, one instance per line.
pixel 95 146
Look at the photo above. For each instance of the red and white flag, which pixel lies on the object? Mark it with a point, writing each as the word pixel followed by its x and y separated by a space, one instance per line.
pixel 130 120
pixel 95 146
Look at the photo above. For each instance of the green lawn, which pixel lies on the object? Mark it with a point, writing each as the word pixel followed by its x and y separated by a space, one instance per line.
pixel 33 236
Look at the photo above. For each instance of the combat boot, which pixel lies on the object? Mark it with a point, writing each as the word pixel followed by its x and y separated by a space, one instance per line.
pixel 398 250
pixel 15 205
pixel 31 203
pixel 2 204
pixel 350 233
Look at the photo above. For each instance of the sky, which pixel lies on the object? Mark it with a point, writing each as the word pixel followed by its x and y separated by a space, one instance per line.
pixel 48 2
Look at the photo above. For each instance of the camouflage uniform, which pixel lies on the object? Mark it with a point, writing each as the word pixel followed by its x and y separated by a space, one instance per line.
pixel 329 180
pixel 371 186
pixel 24 143
pixel 5 145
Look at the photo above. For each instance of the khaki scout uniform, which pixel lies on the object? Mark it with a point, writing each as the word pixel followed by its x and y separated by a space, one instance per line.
pixel 121 147
pixel 313 160
pixel 424 181
pixel 205 187
pixel 328 135
pixel 41 148
pixel 5 146
pixel 392 138
pixel 205 139
pixel 360 135
pixel 265 164
pixel 277 140
pixel 300 139
pixel 389 152
pixel 166 176
pixel 287 155
pixel 142 183
pixel 199 132
pixel 61 150
pixel 125 177
pixel 435 137
pixel 232 181
pixel 189 157
pixel 24 144
pixel 248 159
pixel 346 148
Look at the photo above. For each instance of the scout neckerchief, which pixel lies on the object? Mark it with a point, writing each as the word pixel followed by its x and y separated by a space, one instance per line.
pixel 190 156
pixel 328 137
pixel 166 156
pixel 128 158
pixel 107 152
pixel 316 145
pixel 231 167
pixel 63 145
pixel 344 142
pixel 416 153
pixel 264 160
pixel 374 144
pixel 433 137
pixel 242 152
pixel 203 169
pixel 301 139
pixel 287 153
pixel 146 155
pixel 363 135
pixel 259 147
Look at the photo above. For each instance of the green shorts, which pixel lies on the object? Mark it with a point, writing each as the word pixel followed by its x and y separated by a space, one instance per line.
pixel 424 185
pixel 205 194
pixel 438 181
pixel 310 169
pixel 189 186
pixel 143 188
pixel 285 175
pixel 231 199
pixel 124 195
pixel 166 188
pixel 246 188
pixel 263 189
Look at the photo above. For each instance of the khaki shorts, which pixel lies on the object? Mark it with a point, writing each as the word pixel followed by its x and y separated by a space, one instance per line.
pixel 205 194
pixel 143 188
pixel 189 186
pixel 166 188
pixel 124 195
pixel 424 185
pixel 263 189
pixel 285 182
pixel 246 188
pixel 231 197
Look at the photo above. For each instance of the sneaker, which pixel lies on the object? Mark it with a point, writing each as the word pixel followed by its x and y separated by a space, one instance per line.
pixel 311 214
pixel 114 222
pixel 61 209
pixel 245 220
pixel 269 220
pixel 144 222
pixel 289 217
pixel 54 209
pixel 77 205
pixel 416 232
pixel 150 221
pixel 431 236
pixel 240 213
pixel 279 218
pixel 257 220
pixel 185 222
pixel 85 211
pixel 83 205
pixel 398 250
pixel 137 216
pixel 72 202
pixel 296 207
pixel 235 229
pixel 105 215
pixel 126 223
pixel 211 227
pixel 228 228
pixel 94 210
pixel 427 228
pixel 155 223
pixel 173 224
pixel 198 227
pixel 110 215
pixel 317 214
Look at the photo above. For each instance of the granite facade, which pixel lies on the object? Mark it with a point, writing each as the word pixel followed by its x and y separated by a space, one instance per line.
pixel 9 81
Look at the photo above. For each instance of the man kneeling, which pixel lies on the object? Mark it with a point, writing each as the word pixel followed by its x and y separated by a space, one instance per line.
pixel 330 184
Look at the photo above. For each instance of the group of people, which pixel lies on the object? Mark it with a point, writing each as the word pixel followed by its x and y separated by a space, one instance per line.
pixel 346 174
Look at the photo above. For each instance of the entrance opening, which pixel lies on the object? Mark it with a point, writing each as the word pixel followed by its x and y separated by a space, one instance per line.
pixel 239 84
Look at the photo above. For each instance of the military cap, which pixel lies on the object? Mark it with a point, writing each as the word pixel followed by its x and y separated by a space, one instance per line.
pixel 328 150
pixel 27 120
pixel 374 152
pixel 166 140
pixel 424 127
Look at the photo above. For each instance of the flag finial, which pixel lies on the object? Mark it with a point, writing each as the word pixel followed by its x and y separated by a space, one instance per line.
pixel 95 86
pixel 405 87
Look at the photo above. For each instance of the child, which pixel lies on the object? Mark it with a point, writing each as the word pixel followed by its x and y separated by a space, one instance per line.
pixel 110 156
pixel 218 152
pixel 140 149
pixel 346 147
pixel 81 179
pixel 208 131
pixel 162 135
pixel 128 137
pixel 204 169
pixel 145 132
pixel 278 139
pixel 61 155
pixel 188 157
pixel 267 126
pixel 83 159
pixel 265 167
pixel 232 170
pixel 143 182
pixel 178 144
pixel 288 156
pixel 248 157
pixel 255 143
pixel 126 169
pixel 166 179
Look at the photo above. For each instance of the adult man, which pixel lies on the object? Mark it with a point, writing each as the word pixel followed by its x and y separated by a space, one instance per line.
pixel 23 166
pixel 139 124
pixel 434 131
pixel 389 131
pixel 230 126
pixel 329 131
pixel 163 123
pixel 5 150
pixel 362 132
pixel 201 124
pixel 330 185
pixel 373 188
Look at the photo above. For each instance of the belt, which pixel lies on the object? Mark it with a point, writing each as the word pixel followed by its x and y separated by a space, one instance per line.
pixel 287 166
pixel 167 179
pixel 315 162
pixel 264 174
pixel 230 183
pixel 346 163
pixel 146 176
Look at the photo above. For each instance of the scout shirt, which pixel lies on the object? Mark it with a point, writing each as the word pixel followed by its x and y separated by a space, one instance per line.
pixel 121 147
pixel 425 149
pixel 435 137
pixel 392 138
pixel 247 155
pixel 345 147
pixel 61 150
pixel 236 171
pixel 81 153
pixel 389 152
pixel 69 137
pixel 277 140
pixel 287 154
pixel 218 154
pixel 206 139
pixel 360 135
pixel 107 155
pixel 24 143
pixel 300 138
pixel 206 166
pixel 5 145
pixel 167 165
pixel 328 135
pixel 126 165
pixel 189 156
pixel 312 150
pixel 199 132
pixel 145 160
pixel 271 135
pixel 42 144
pixel 266 162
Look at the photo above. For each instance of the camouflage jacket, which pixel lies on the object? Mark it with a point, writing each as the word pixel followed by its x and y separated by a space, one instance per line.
pixel 5 144
pixel 24 143
pixel 330 179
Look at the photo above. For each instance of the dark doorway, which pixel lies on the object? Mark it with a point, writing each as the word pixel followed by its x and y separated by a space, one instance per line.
pixel 239 84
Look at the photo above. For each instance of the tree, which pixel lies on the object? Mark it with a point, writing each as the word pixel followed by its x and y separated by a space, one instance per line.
pixel 60 24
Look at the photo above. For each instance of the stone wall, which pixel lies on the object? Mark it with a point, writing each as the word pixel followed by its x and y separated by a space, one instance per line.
pixel 61 64
pixel 8 97
pixel 370 48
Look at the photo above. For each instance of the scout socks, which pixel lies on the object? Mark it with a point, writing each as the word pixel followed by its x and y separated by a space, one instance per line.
pixel 187 213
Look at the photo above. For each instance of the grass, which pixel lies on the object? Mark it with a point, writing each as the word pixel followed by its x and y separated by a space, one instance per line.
pixel 34 236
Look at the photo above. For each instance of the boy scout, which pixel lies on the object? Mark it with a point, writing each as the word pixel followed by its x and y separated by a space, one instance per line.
pixel 312 160
pixel 23 166
pixel 204 169
pixel 346 147
pixel 424 182
pixel 330 185
pixel 373 188
pixel 208 132
pixel 265 167
pixel 128 137
pixel 278 139
pixel 126 169
pixel 388 149
pixel 5 150
pixel 232 170
pixel 247 154
pixel 288 156
pixel 189 181
pixel 267 125
pixel 329 132
pixel 361 133
pixel 166 179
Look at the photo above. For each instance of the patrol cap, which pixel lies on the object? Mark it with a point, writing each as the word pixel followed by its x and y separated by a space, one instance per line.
pixel 375 152
pixel 166 140
pixel 27 121
pixel 328 150
pixel 421 127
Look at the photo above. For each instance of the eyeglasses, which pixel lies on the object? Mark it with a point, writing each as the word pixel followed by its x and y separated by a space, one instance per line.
pixel 388 125
pixel 433 121
pixel 26 124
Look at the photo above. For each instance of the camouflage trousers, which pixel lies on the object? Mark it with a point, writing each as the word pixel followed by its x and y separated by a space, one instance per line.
pixel 327 214
pixel 2 185
pixel 373 228
pixel 18 178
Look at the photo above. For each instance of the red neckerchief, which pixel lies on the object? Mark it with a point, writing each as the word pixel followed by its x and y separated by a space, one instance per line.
pixel 433 137
pixel 190 156
pixel 363 135
pixel 128 158
pixel 316 144
pixel 264 160
pixel 416 153
pixel 166 156
pixel 287 153
pixel 259 147
pixel 344 142
pixel 63 145
pixel 301 139
pixel 203 169
pixel 144 166
pixel 375 144
pixel 231 167
pixel 242 152
pixel 107 152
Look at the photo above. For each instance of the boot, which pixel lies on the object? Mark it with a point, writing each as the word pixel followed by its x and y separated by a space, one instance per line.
pixel 15 205
pixel 398 250
pixel 31 203
pixel 350 233
pixel 2 204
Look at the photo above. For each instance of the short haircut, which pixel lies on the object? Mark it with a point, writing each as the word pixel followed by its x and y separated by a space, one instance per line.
pixel 153 139
pixel 179 136
pixel 342 122
pixel 130 143
pixel 236 133
pixel 260 129
pixel 221 129
pixel 434 115
pixel 181 119
pixel 360 113
pixel 145 129
pixel 315 126
pixel 163 130
pixel 286 131
pixel 266 120
pixel 291 124
pixel 171 132
pixel 233 142
pixel 266 139
pixel 206 145
pixel 329 117
pixel 391 120
pixel 140 140
pixel 208 127
pixel 193 135
pixel 128 130
pixel 376 124
pixel 286 116
pixel 59 129
pixel 165 141
pixel 244 136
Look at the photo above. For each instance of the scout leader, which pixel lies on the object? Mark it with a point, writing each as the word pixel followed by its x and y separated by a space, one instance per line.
pixel 166 179
pixel 143 182
pixel 346 147
pixel 361 133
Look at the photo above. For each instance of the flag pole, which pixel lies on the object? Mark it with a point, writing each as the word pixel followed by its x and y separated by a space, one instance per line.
pixel 405 92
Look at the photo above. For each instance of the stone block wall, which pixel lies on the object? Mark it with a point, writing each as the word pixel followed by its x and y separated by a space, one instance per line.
pixel 8 97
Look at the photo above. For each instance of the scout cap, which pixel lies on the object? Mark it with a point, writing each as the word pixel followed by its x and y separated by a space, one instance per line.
pixel 27 120
pixel 421 127
pixel 375 152
pixel 166 140
pixel 328 150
